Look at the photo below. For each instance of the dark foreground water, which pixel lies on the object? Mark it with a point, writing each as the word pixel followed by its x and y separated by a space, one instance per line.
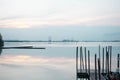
pixel 56 62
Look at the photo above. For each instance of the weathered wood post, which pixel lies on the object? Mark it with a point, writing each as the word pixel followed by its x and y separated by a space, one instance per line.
pixel 76 63
pixel 89 63
pixel 110 57
pixel 80 61
pixel 85 61
pixel 95 67
pixel 80 74
pixel 118 60
pixel 103 62
pixel 99 69
pixel 106 60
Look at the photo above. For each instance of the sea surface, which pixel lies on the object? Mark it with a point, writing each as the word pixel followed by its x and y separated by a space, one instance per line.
pixel 56 62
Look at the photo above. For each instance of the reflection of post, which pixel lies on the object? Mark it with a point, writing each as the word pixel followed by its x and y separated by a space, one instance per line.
pixel 1 43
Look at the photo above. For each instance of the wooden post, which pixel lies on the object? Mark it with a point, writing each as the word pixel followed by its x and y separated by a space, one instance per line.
pixel 100 58
pixel 99 52
pixel 110 57
pixel 95 67
pixel 89 63
pixel 85 61
pixel 118 59
pixel 106 61
pixel 99 69
pixel 80 60
pixel 103 62
pixel 76 63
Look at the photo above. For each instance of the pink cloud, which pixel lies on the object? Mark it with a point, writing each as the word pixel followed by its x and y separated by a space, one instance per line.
pixel 107 20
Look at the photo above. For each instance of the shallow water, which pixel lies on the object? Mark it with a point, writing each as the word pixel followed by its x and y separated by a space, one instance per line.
pixel 56 62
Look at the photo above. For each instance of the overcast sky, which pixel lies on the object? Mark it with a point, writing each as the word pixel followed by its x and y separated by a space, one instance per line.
pixel 60 19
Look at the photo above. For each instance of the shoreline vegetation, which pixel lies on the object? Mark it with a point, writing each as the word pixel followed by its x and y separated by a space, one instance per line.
pixel 59 41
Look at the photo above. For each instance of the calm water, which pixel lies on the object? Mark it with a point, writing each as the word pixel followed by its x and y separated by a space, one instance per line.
pixel 56 62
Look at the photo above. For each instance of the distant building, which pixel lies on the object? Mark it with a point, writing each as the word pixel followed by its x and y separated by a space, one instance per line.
pixel 49 40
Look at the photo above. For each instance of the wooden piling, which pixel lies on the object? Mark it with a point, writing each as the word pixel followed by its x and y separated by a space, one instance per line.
pixel 118 59
pixel 89 64
pixel 99 74
pixel 85 61
pixel 95 67
pixel 106 61
pixel 80 60
pixel 103 62
pixel 76 63
pixel 80 74
pixel 110 57
pixel 99 52
pixel 100 58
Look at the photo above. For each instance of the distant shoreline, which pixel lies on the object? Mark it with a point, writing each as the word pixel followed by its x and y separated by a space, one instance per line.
pixel 57 41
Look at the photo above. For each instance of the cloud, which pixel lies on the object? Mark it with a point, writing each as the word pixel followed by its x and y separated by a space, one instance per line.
pixel 113 34
pixel 109 20
pixel 10 65
pixel 13 24
pixel 15 13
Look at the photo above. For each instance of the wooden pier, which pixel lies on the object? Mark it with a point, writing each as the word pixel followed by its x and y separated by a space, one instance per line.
pixel 103 67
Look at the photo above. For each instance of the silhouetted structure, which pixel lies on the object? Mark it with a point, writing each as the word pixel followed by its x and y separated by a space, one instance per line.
pixel 49 40
pixel 102 69
pixel 1 43
pixel 81 69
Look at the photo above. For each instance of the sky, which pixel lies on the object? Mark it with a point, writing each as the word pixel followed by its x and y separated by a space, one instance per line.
pixel 60 19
